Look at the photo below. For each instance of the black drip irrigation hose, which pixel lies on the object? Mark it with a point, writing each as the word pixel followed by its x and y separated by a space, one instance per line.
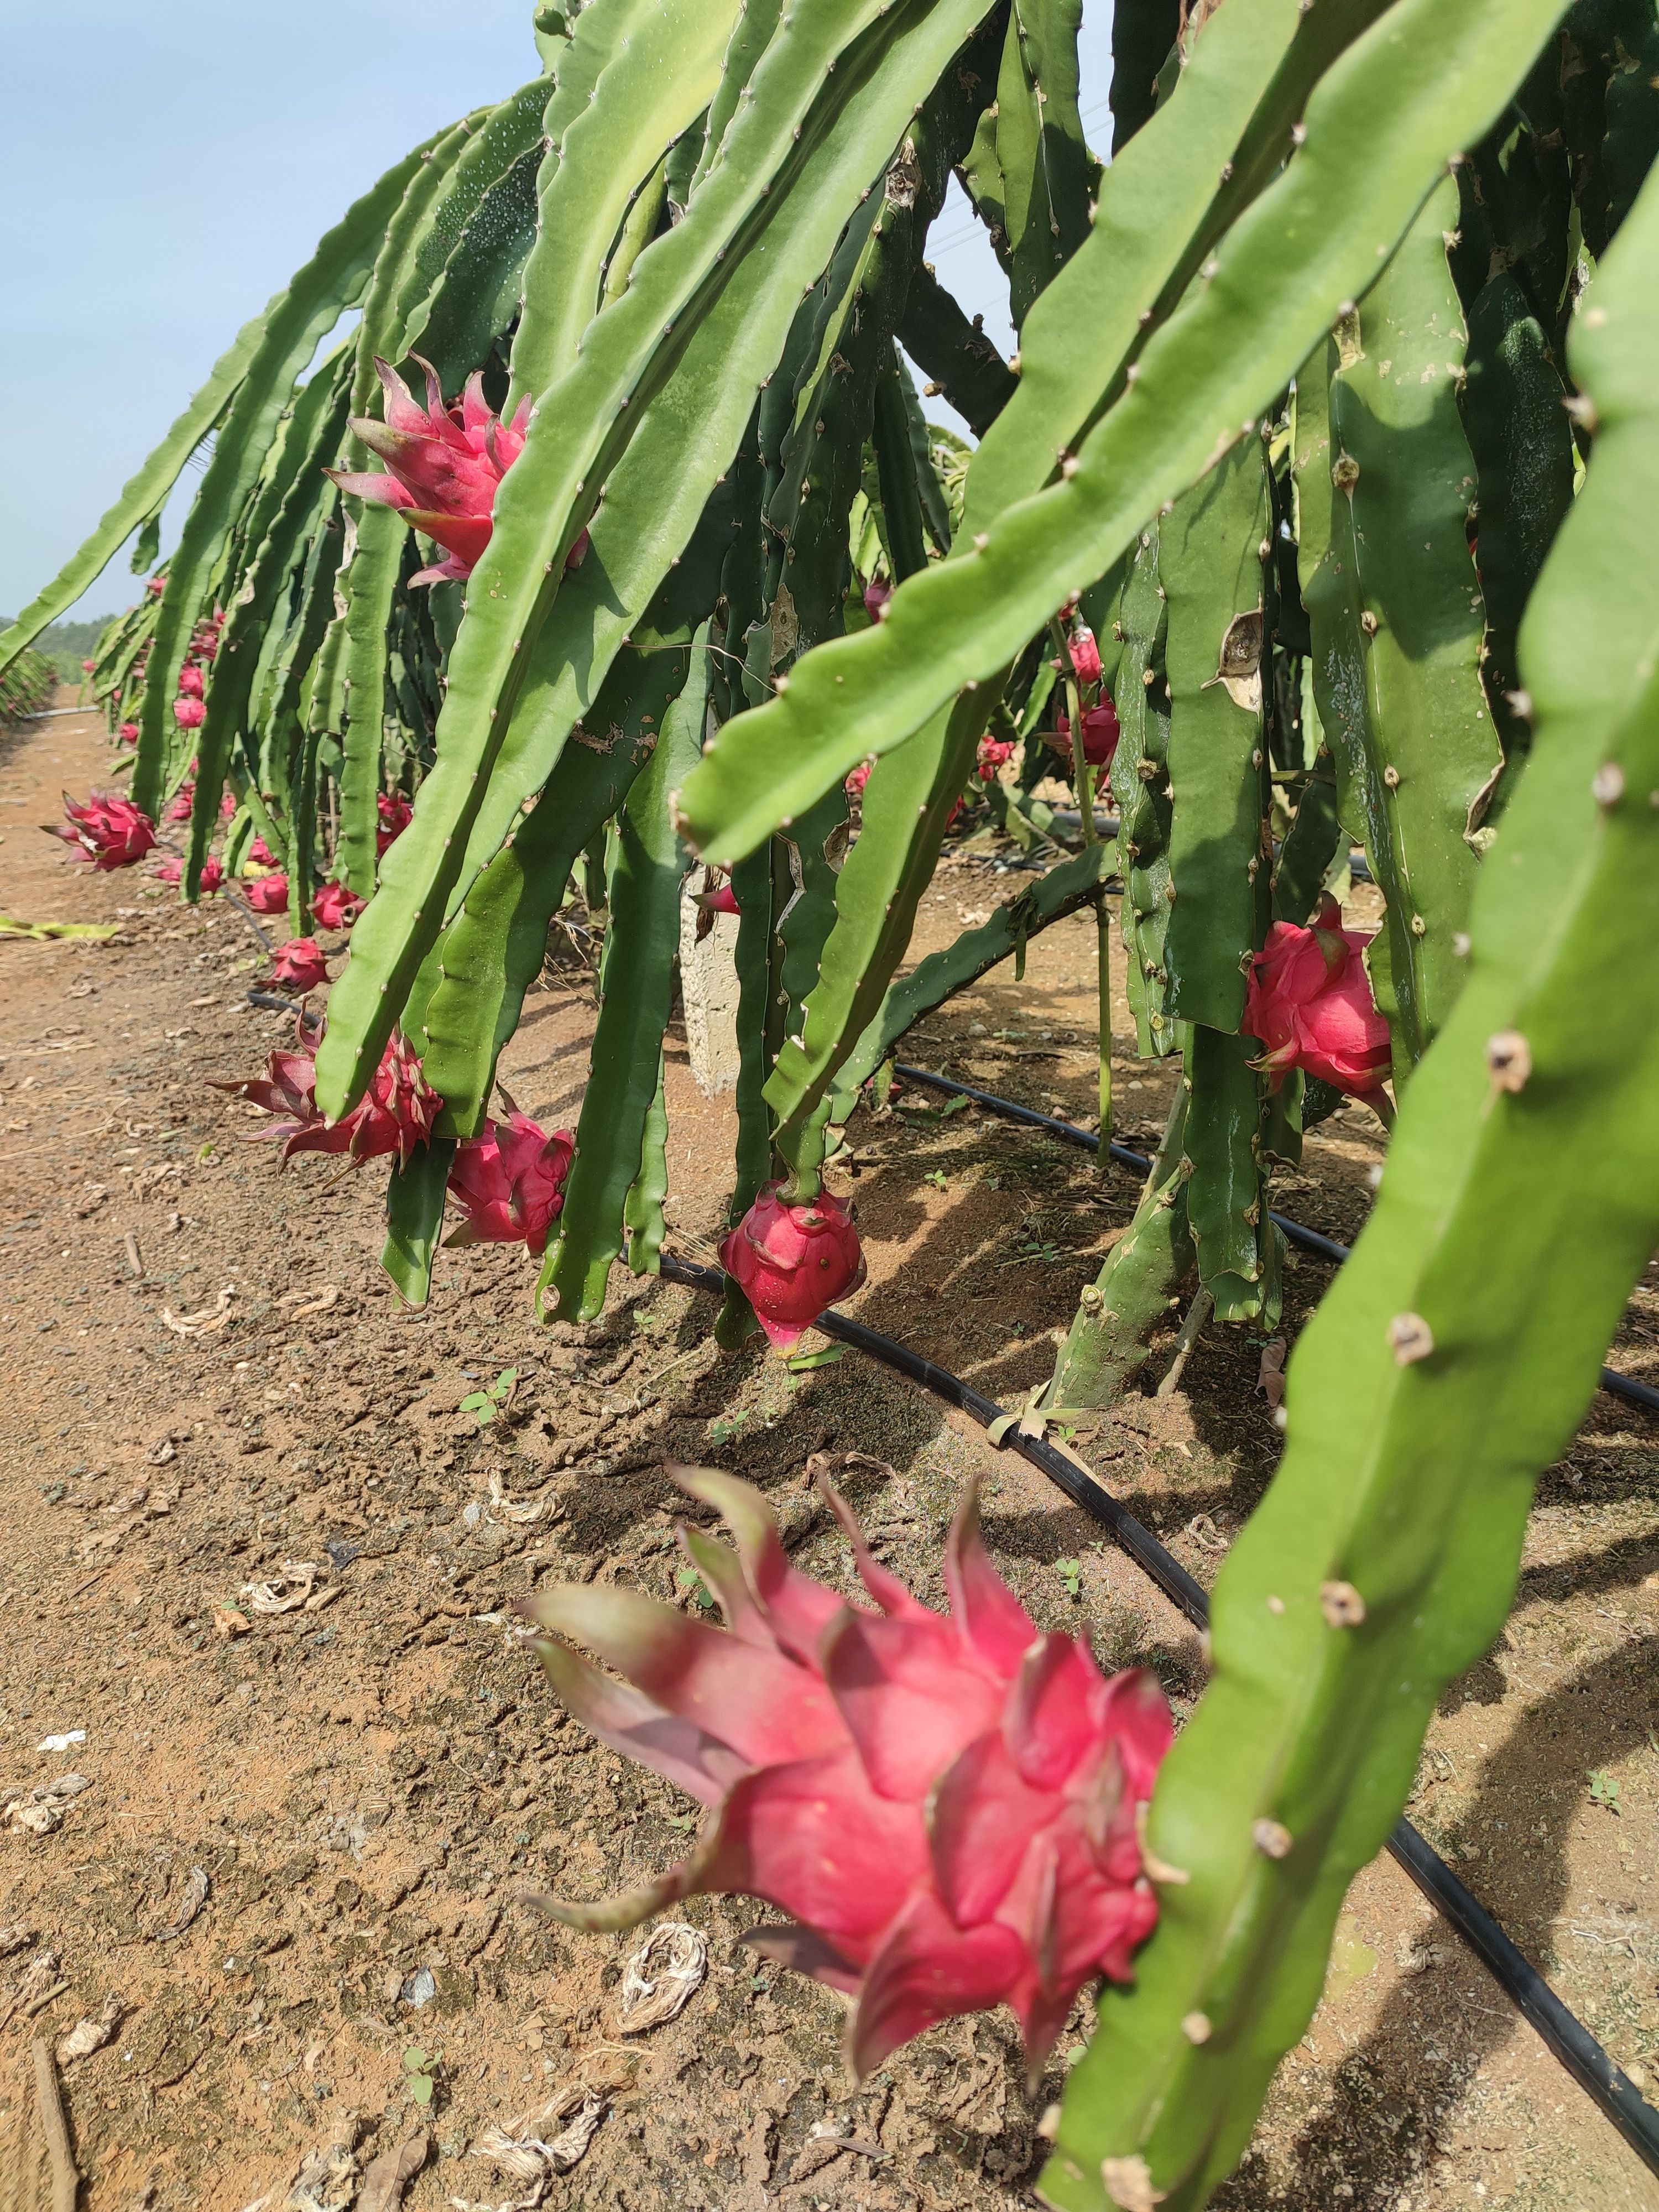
pixel 1618 1385
pixel 1607 2085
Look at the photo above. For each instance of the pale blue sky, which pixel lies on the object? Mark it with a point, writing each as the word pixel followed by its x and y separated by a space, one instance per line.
pixel 168 163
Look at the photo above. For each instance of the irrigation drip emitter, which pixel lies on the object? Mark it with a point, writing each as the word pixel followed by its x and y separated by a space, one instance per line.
pixel 1620 1386
pixel 1565 2034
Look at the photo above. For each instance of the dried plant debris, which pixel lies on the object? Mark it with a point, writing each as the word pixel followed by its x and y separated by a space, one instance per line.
pixel 89 2035
pixel 523 1511
pixel 37 1811
pixel 387 2177
pixel 661 1976
pixel 34 1988
pixel 286 1590
pixel 194 1898
pixel 326 2181
pixel 532 2150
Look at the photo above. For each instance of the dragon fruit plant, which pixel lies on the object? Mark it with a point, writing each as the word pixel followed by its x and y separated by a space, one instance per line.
pixel 669 563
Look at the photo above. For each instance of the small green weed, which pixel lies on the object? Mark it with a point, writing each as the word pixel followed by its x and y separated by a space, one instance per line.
pixel 489 1402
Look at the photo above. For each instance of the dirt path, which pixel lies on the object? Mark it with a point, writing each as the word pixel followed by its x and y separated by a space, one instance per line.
pixel 295 1863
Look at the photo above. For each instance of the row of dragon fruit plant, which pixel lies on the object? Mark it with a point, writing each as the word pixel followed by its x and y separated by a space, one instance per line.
pixel 1316 509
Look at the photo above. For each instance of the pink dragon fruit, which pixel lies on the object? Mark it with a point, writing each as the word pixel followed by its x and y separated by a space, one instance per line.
pixel 445 463
pixel 109 831
pixel 1081 644
pixel 1100 733
pixel 792 1261
pixel 396 815
pixel 182 805
pixel 300 965
pixel 946 1808
pixel 509 1183
pixel 267 894
pixel 722 900
pixel 394 1116
pixel 127 734
pixel 993 753
pixel 213 873
pixel 1310 1003
pixel 335 908
pixel 192 684
pixel 876 592
pixel 189 714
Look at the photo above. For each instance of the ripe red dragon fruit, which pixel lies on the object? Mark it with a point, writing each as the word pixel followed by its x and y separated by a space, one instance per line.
pixel 337 907
pixel 191 683
pixel 792 1261
pixel 396 814
pixel 300 965
pixel 1081 644
pixel 268 894
pixel 722 900
pixel 395 1114
pixel 183 802
pixel 858 778
pixel 1100 733
pixel 509 1183
pixel 213 873
pixel 127 734
pixel 445 465
pixel 993 753
pixel 1309 1002
pixel 261 854
pixel 876 592
pixel 947 1808
pixel 109 831
pixel 189 714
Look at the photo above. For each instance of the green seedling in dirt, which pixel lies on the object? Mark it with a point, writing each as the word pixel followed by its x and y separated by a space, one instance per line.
pixel 420 2074
pixel 803 1363
pixel 1034 1249
pixel 689 1584
pixel 722 1431
pixel 1071 1573
pixel 488 1403
pixel 938 1179
pixel 1604 1790
pixel 942 1113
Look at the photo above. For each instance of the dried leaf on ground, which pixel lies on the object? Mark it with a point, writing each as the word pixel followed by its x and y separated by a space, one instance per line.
pixel 387 2176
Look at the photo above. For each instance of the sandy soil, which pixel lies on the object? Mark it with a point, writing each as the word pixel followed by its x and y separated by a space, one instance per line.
pixel 297 1861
